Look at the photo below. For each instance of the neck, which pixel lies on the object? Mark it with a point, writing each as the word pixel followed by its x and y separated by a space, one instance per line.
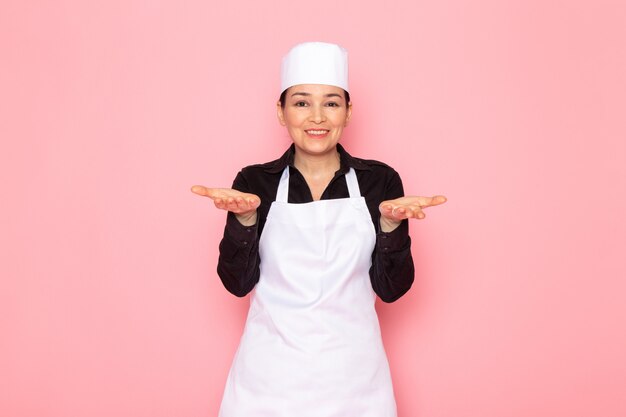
pixel 315 165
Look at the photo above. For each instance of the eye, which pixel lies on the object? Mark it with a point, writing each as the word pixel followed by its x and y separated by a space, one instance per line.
pixel 333 104
pixel 300 104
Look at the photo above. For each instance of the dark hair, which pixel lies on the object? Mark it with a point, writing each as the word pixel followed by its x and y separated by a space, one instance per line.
pixel 284 93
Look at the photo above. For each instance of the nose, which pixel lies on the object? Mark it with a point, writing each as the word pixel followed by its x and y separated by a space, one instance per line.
pixel 317 114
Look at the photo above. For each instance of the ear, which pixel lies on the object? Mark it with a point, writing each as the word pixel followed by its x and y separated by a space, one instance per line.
pixel 348 114
pixel 280 114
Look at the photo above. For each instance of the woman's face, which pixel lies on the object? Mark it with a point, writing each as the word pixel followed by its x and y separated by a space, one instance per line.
pixel 314 115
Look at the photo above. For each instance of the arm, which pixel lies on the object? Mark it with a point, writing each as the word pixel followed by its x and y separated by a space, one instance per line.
pixel 238 263
pixel 395 271
pixel 392 271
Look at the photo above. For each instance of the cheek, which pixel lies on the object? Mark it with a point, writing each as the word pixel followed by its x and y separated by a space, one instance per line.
pixel 340 121
pixel 293 119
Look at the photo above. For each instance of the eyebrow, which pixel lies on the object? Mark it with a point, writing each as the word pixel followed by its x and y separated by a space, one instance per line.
pixel 299 93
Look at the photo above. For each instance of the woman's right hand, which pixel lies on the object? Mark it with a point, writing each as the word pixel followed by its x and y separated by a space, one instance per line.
pixel 244 205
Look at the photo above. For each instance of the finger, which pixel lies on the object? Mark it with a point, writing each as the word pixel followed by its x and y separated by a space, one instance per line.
pixel 212 193
pixel 418 213
pixel 231 204
pixel 241 204
pixel 388 215
pixel 399 213
pixel 435 201
pixel 199 189
pixel 254 203
pixel 237 205
pixel 220 204
pixel 385 208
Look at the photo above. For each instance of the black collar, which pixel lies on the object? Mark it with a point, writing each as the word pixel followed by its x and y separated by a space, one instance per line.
pixel 347 161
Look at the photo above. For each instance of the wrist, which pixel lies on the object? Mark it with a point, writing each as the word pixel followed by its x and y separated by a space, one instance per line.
pixel 248 219
pixel 387 225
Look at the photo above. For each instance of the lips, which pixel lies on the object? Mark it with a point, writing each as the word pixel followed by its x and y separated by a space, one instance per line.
pixel 317 133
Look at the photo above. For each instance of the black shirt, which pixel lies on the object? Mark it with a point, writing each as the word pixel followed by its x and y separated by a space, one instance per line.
pixel 392 270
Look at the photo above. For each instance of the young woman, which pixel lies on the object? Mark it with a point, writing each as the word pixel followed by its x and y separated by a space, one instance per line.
pixel 315 236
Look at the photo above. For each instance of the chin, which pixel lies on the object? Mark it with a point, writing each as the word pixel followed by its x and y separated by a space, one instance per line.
pixel 317 148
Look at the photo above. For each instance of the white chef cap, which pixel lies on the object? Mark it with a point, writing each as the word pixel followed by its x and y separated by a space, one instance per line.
pixel 315 63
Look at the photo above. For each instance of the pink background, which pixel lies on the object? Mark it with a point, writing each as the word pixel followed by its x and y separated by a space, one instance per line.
pixel 109 111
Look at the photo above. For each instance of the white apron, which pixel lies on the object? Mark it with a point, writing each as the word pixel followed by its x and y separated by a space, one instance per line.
pixel 311 346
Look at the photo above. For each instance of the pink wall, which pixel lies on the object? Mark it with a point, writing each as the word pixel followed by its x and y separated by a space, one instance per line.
pixel 109 111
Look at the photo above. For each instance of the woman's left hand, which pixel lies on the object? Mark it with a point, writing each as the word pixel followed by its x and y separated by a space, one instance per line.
pixel 392 212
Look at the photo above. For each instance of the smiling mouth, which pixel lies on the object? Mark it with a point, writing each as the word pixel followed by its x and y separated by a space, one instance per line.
pixel 317 132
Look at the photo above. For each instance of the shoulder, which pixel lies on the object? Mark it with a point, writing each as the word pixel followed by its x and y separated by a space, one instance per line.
pixel 366 166
pixel 270 168
pixel 378 179
pixel 373 168
pixel 375 165
pixel 262 167
pixel 258 178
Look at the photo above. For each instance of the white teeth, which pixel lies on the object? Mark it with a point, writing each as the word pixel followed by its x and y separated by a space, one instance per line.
pixel 317 132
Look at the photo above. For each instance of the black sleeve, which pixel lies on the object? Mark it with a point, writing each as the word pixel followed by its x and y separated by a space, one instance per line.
pixel 392 272
pixel 238 262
